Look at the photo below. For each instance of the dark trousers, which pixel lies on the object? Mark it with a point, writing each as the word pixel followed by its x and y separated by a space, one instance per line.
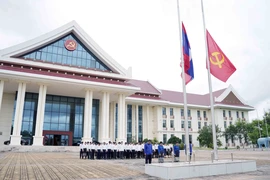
pixel 133 154
pixel 148 159
pixel 98 154
pixel 114 154
pixel 138 154
pixel 81 151
pixel 104 154
pixel 121 153
pixel 128 154
pixel 93 154
pixel 109 154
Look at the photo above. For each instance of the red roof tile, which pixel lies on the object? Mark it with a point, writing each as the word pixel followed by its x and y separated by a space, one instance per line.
pixel 146 87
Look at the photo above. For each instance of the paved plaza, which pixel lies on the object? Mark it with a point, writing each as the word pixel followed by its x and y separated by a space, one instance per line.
pixel 67 165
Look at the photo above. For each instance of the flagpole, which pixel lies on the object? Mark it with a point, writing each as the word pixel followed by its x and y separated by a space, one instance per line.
pixel 210 90
pixel 184 84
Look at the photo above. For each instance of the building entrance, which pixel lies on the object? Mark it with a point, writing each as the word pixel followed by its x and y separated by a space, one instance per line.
pixel 57 138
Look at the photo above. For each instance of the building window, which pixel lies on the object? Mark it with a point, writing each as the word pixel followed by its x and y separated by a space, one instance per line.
pixel 190 138
pixel 189 114
pixel 199 125
pixel 171 111
pixel 243 115
pixel 164 138
pixel 129 123
pixel 182 112
pixel 172 135
pixel 183 138
pixel 189 124
pixel 224 113
pixel 205 124
pixel 198 114
pixel 172 123
pixel 140 135
pixel 225 124
pixel 57 53
pixel 230 114
pixel 204 114
pixel 237 114
pixel 182 124
pixel 163 111
pixel 230 123
pixel 164 123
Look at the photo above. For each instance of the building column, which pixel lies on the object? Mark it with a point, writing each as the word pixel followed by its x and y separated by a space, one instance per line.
pixel 38 138
pixel 105 117
pixel 87 125
pixel 16 135
pixel 122 129
pixel 1 92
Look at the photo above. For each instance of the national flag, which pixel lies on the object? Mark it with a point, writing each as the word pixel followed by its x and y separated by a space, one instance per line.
pixel 188 63
pixel 220 66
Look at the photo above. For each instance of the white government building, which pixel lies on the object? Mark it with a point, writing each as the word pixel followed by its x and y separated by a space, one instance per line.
pixel 61 88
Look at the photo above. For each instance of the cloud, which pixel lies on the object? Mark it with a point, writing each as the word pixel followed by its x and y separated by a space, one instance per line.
pixel 144 35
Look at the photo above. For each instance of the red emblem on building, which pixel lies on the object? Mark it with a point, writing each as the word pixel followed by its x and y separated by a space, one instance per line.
pixel 70 44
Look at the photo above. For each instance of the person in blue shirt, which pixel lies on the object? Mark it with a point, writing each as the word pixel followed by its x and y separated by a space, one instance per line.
pixel 190 149
pixel 176 151
pixel 148 152
pixel 160 152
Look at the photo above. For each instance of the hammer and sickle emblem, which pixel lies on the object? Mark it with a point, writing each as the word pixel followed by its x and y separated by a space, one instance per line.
pixel 71 44
pixel 218 61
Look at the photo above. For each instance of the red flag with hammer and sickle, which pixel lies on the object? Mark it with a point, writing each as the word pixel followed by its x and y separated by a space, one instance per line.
pixel 220 66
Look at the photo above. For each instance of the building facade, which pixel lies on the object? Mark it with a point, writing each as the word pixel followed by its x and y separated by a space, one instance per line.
pixel 61 88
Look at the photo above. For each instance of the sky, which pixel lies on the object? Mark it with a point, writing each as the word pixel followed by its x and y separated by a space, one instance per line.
pixel 144 35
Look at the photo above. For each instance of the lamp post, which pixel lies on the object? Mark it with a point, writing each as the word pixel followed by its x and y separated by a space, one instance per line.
pixel 265 124
pixel 258 124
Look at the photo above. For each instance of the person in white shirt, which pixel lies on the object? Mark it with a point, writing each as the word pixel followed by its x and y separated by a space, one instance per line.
pixel 142 146
pixel 109 150
pixel 121 150
pixel 92 147
pixel 114 147
pixel 133 150
pixel 84 154
pixel 139 150
pixel 81 150
pixel 98 148
pixel 104 149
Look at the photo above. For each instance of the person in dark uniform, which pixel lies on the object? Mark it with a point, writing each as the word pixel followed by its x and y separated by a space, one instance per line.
pixel 176 151
pixel 148 151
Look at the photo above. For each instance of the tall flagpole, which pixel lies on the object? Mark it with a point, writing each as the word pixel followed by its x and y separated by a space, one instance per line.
pixel 210 90
pixel 184 84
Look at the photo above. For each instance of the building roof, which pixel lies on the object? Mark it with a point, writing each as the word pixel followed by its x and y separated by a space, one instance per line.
pixel 118 76
pixel 223 97
pixel 146 87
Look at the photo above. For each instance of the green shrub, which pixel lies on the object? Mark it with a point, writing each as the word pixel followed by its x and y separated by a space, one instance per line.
pixel 182 146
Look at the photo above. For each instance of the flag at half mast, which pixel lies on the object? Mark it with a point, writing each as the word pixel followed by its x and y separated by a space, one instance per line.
pixel 188 63
pixel 220 66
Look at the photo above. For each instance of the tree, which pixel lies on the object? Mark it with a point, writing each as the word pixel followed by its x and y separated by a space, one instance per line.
pixel 230 132
pixel 242 129
pixel 206 136
pixel 174 140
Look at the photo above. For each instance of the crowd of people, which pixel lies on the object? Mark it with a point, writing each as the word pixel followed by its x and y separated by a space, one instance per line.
pixel 113 150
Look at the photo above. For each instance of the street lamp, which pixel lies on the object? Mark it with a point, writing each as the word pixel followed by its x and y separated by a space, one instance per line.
pixel 265 124
pixel 258 124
